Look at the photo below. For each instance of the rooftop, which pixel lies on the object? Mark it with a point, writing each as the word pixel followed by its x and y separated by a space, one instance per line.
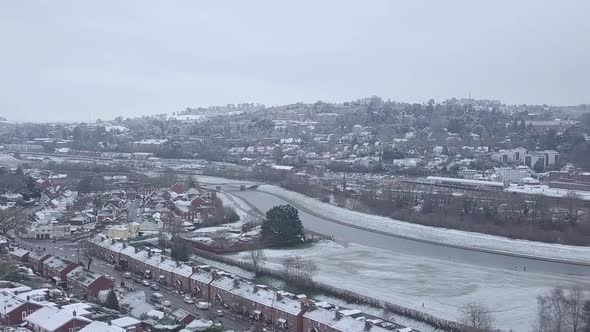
pixel 51 318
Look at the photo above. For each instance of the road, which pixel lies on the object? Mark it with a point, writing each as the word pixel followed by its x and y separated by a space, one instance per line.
pixel 314 222
pixel 70 250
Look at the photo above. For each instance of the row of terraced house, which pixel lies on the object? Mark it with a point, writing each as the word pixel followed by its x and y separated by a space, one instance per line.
pixel 267 307
pixel 80 281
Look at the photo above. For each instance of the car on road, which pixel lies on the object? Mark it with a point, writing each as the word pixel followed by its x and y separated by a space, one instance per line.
pixel 127 275
pixel 219 313
pixel 145 283
pixel 166 303
pixel 203 305
pixel 188 299
pixel 155 287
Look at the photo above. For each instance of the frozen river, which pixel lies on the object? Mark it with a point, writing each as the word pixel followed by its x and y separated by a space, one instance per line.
pixel 314 221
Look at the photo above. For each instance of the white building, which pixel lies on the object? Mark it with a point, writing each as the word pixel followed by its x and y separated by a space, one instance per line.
pixel 528 158
pixel 48 230
pixel 509 174
pixel 470 174
pixel 510 156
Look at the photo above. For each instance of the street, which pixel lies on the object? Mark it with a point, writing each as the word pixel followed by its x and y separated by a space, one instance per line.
pixel 69 250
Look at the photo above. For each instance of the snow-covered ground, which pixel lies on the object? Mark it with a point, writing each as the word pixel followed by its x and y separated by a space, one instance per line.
pixel 236 203
pixel 442 286
pixel 434 234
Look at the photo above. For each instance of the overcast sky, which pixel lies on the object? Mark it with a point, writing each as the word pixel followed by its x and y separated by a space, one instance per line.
pixel 64 60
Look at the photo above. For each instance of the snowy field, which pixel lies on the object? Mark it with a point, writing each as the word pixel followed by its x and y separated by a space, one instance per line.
pixel 464 239
pixel 442 286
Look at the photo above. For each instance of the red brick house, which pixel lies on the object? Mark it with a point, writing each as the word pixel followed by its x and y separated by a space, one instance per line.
pixel 86 283
pixel 322 320
pixel 181 277
pixel 199 282
pixel 281 310
pixel 49 319
pixel 178 188
pixel 182 316
pixel 36 259
pixel 129 324
pixel 57 268
pixel 14 309
pixel 20 254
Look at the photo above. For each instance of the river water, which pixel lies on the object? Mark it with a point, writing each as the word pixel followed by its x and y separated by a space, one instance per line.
pixel 343 233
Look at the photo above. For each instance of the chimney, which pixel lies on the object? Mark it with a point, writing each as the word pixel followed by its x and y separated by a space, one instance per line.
pixel 280 297
pixel 236 283
pixel 109 322
pixel 255 288
pixel 124 245
pixel 28 298
pixel 195 269
pixel 112 241
pixel 74 313
pixel 149 253
pixel 136 249
pixel 162 259
pixel 367 326
pixel 337 314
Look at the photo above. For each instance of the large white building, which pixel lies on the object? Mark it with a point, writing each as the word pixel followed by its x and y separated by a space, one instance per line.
pixel 509 174
pixel 528 158
pixel 48 230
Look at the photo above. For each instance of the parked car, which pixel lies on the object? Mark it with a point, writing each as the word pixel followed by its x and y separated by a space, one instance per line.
pixel 155 287
pixel 219 313
pixel 157 298
pixel 188 299
pixel 203 305
pixel 127 275
pixel 145 283
pixel 166 303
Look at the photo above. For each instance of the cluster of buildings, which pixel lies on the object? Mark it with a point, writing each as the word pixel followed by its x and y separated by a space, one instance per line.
pixel 280 310
pixel 49 221
pixel 49 310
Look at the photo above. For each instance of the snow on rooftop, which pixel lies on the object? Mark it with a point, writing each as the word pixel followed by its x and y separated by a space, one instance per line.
pixel 125 321
pixel 9 302
pixel 97 326
pixel 547 191
pixel 49 318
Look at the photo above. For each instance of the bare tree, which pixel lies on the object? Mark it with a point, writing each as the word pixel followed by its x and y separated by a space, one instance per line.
pixel 572 206
pixel 222 237
pixel 298 269
pixel 257 256
pixel 476 318
pixel 10 219
pixel 575 300
pixel 89 251
pixel 560 311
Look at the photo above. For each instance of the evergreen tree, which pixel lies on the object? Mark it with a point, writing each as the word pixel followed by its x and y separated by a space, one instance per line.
pixel 179 251
pixel 112 302
pixel 282 226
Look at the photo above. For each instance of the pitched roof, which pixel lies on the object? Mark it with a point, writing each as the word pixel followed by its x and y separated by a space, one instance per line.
pixel 83 276
pixel 19 252
pixel 51 319
pixel 97 326
pixel 125 321
pixel 9 302
pixel 57 263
